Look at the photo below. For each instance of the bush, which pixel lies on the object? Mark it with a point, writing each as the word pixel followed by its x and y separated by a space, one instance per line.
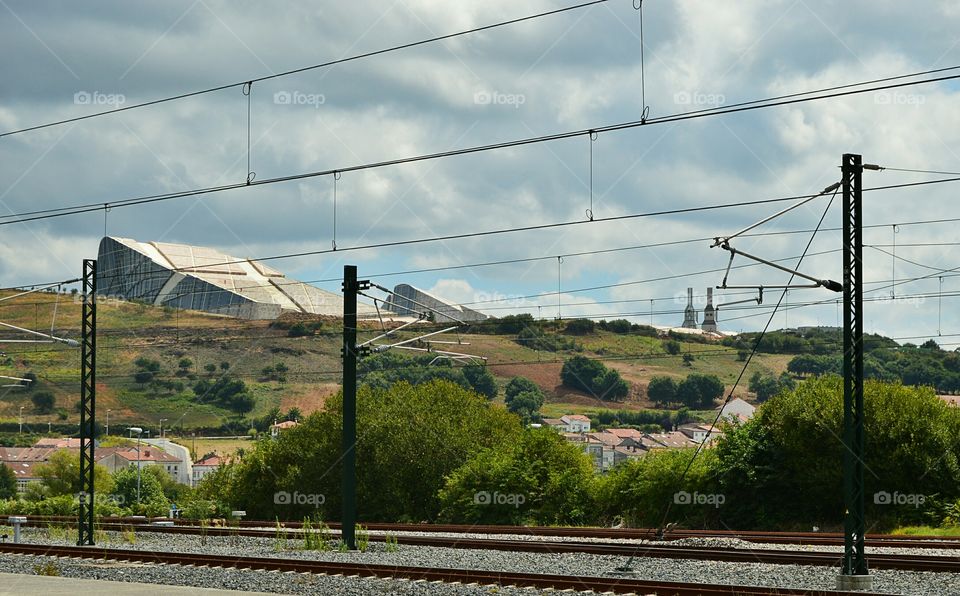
pixel 8 482
pixel 593 377
pixel 580 326
pixel 662 390
pixel 43 401
pixel 791 453
pixel 671 346
pixel 640 490
pixel 518 385
pixel 699 392
pixel 424 432
pixel 538 479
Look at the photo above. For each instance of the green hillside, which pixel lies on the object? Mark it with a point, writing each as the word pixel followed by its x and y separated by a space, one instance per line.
pixel 295 363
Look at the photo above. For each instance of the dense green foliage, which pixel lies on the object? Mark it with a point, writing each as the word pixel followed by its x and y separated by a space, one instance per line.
pixel 409 440
pixel 384 369
pixel 765 386
pixel 699 392
pixel 151 499
pixel 662 390
pixel 225 391
pixel 623 326
pixel 580 326
pixel 911 365
pixel 538 478
pixel 783 467
pixel 43 401
pixel 671 346
pixel 593 377
pixel 8 482
pixel 524 398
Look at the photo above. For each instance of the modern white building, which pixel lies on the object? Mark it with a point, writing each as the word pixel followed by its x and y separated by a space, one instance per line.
pixel 205 279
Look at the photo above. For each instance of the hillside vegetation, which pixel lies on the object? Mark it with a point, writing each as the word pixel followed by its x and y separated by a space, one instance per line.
pixel 218 375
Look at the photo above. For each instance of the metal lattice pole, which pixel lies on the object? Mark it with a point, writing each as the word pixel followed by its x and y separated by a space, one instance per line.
pixel 88 394
pixel 854 525
pixel 350 352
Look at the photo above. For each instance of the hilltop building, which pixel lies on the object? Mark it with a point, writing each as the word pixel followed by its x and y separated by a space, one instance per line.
pixel 409 301
pixel 709 314
pixel 204 279
pixel 689 313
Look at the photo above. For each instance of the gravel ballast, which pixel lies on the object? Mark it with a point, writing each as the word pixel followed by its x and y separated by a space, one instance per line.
pixel 712 572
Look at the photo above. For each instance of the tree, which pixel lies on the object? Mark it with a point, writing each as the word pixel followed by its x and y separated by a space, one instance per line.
pixel 672 347
pixel 580 326
pixel 224 366
pixel 518 385
pixel 293 414
pixel 172 490
pixel 143 376
pixel 593 377
pixel 481 380
pixel 662 390
pixel 185 364
pixel 210 368
pixel 43 401
pixel 8 482
pixel 60 475
pixel 764 386
pixel 424 432
pixel 699 391
pixel 578 372
pixel 688 359
pixel 526 405
pixel 30 381
pixel 609 386
pixel 912 446
pixel 538 479
pixel 151 491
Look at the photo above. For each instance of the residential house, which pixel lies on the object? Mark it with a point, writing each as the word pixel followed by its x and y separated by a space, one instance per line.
pixel 738 409
pixel 205 465
pixel 672 440
pixel 118 458
pixel 556 424
pixel 277 427
pixel 576 423
pixel 698 432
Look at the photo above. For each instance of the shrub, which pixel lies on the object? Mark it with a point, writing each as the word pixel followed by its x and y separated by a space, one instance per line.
pixel 662 390
pixel 43 401
pixel 671 346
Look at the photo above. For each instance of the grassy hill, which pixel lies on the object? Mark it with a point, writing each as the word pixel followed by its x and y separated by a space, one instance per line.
pixel 128 332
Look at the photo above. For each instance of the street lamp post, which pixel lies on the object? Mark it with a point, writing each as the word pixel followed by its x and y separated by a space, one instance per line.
pixel 139 431
pixel 162 420
pixel 108 422
pixel 20 418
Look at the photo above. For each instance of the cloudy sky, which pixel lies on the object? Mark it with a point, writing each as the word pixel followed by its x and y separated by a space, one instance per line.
pixel 572 71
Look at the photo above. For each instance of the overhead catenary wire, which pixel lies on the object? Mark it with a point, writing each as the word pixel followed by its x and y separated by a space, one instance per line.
pixel 743 370
pixel 746 106
pixel 305 68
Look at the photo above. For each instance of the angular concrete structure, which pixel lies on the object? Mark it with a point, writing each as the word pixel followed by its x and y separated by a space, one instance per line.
pixel 408 301
pixel 204 279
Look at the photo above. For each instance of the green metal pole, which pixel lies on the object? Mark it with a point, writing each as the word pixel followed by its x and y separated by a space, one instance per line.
pixel 349 483
pixel 854 524
pixel 88 401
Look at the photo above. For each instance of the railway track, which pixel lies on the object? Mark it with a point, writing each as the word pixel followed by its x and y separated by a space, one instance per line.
pixel 614 584
pixel 619 549
pixel 760 537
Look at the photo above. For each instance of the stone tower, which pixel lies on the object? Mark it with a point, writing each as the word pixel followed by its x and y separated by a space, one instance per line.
pixel 689 313
pixel 709 313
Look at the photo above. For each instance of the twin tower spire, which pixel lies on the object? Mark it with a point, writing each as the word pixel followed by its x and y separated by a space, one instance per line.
pixel 709 313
